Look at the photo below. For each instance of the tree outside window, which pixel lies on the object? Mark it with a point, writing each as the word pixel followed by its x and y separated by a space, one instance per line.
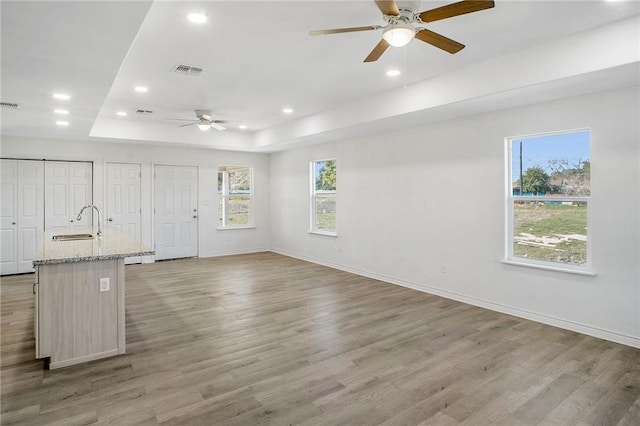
pixel 323 196
pixel 549 188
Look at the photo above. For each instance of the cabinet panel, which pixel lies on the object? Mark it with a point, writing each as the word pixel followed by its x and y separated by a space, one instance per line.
pixel 78 322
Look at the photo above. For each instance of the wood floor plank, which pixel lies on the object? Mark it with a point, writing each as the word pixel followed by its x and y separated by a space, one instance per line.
pixel 264 339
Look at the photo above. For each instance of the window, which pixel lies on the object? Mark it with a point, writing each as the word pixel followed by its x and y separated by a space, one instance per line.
pixel 548 195
pixel 323 197
pixel 235 194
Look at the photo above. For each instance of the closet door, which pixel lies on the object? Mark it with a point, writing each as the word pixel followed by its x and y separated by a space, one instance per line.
pixel 9 217
pixel 21 214
pixel 80 195
pixel 68 188
pixel 30 212
pixel 123 209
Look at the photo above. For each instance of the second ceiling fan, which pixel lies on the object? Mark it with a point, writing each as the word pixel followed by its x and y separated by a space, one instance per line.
pixel 401 25
pixel 204 121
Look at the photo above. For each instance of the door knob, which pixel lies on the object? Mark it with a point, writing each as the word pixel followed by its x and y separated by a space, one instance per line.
pixel 195 216
pixel 194 210
pixel 71 221
pixel 13 223
pixel 110 219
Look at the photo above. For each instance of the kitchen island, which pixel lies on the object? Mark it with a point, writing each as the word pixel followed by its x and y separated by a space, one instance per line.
pixel 80 296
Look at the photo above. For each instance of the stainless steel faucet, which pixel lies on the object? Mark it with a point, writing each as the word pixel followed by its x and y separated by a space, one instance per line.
pixel 99 233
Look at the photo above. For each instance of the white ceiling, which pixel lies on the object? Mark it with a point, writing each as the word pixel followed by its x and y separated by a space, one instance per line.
pixel 259 58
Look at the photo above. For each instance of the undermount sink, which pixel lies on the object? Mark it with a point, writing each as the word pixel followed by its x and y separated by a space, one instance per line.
pixel 72 237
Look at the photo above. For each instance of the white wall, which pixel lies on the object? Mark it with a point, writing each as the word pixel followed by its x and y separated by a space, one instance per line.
pixel 212 242
pixel 424 208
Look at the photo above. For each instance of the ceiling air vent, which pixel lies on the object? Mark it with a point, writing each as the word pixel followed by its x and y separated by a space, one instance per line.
pixel 188 70
pixel 9 105
pixel 144 112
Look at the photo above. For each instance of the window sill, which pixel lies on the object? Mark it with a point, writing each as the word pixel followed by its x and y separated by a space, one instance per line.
pixel 586 272
pixel 230 228
pixel 325 233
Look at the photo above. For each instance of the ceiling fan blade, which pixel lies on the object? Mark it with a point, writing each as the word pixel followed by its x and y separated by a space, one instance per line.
pixel 217 126
pixel 455 9
pixel 190 124
pixel 439 41
pixel 179 119
pixel 377 51
pixel 344 30
pixel 388 7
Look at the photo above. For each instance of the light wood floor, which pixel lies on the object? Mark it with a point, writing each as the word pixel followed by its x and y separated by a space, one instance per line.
pixel 266 339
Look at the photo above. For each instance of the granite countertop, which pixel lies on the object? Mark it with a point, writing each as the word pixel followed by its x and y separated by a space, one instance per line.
pixel 112 245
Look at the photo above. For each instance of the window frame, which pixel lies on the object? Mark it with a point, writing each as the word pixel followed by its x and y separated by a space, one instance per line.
pixel 313 229
pixel 224 197
pixel 511 200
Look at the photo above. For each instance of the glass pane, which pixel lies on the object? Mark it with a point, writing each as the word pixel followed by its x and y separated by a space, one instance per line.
pixel 556 164
pixel 240 181
pixel 325 209
pixel 324 173
pixel 238 210
pixel 219 183
pixel 552 231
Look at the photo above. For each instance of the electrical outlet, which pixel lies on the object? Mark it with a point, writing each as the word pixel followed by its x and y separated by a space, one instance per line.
pixel 104 284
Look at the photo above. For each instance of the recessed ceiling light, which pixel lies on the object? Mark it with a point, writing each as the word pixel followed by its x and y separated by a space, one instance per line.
pixel 61 111
pixel 197 18
pixel 62 96
pixel 242 126
pixel 141 89
pixel 62 123
pixel 393 73
pixel 287 110
pixel 121 113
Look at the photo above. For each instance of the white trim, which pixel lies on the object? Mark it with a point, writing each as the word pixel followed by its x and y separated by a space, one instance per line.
pixel 226 195
pixel 551 267
pixel 234 252
pixel 230 228
pixel 633 341
pixel 510 200
pixel 313 194
pixel 325 233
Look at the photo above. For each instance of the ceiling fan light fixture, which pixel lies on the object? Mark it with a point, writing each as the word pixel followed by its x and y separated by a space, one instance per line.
pixel 398 35
pixel 204 125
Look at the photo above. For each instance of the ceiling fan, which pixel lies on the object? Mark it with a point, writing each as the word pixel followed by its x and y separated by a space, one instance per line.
pixel 403 25
pixel 204 121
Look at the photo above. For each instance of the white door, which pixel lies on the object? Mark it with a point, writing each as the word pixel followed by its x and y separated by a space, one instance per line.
pixel 80 195
pixel 68 188
pixel 9 217
pixel 175 207
pixel 30 212
pixel 21 214
pixel 123 209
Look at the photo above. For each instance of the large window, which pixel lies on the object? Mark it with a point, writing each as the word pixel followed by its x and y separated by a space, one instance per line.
pixel 323 196
pixel 235 194
pixel 548 195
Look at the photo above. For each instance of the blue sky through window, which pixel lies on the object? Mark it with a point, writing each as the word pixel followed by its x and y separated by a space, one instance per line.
pixel 539 150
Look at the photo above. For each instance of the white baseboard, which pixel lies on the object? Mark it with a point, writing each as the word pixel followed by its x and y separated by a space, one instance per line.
pixel 234 252
pixel 510 310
